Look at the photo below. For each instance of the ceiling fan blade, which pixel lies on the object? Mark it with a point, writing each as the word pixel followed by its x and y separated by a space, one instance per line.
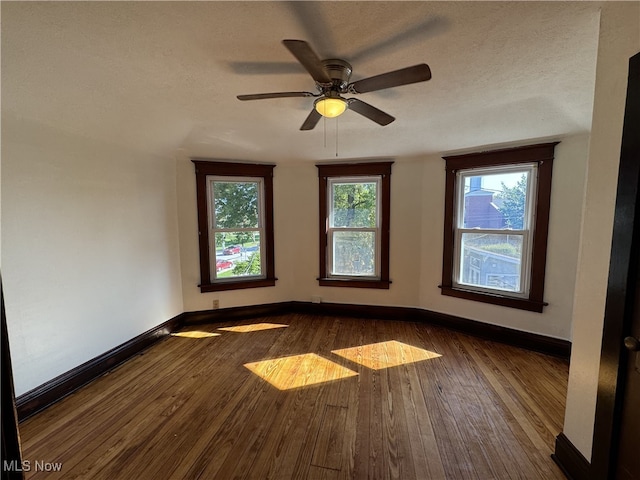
pixel 311 121
pixel 261 96
pixel 369 111
pixel 309 60
pixel 404 76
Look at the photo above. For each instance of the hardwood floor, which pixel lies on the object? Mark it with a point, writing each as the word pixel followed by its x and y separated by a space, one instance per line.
pixel 310 397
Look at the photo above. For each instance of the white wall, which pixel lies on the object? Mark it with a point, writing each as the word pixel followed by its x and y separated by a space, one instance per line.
pixel 417 207
pixel 619 40
pixel 89 247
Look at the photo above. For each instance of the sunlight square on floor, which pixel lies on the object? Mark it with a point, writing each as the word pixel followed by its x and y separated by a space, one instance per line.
pixel 392 353
pixel 286 373
pixel 195 334
pixel 255 327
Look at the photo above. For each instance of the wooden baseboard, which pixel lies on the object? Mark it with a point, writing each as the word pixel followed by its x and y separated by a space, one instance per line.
pixel 530 341
pixel 236 313
pixel 570 460
pixel 56 389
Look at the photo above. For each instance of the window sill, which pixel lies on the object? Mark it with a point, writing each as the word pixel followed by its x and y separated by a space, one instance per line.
pixel 504 301
pixel 351 283
pixel 237 285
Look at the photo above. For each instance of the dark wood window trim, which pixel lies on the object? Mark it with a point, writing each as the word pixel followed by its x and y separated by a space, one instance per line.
pixel 205 168
pixel 542 154
pixel 326 171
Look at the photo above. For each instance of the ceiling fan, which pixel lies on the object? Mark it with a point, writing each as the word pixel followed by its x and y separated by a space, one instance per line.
pixel 332 80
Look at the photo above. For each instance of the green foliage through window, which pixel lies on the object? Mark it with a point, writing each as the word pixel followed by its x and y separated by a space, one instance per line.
pixel 509 245
pixel 514 203
pixel 251 266
pixel 354 253
pixel 354 204
pixel 236 204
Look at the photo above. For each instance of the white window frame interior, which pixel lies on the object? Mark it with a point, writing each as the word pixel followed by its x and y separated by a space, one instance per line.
pixel 331 181
pixel 526 233
pixel 211 179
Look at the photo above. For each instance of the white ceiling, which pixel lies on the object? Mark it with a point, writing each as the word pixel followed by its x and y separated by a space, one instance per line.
pixel 163 76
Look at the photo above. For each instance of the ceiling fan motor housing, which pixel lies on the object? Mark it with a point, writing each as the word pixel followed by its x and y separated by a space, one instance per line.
pixel 339 71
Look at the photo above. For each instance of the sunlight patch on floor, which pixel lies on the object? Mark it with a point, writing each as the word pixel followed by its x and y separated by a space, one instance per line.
pixel 195 334
pixel 297 371
pixel 377 356
pixel 253 327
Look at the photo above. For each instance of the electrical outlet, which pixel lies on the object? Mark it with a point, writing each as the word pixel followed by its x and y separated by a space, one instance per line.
pixel 316 299
pixel 216 304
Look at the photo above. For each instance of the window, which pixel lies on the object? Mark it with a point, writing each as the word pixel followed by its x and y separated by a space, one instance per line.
pixel 354 224
pixel 235 223
pixel 496 223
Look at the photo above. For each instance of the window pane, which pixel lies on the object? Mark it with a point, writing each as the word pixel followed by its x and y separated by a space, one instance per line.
pixel 354 205
pixel 235 259
pixel 491 260
pixel 354 253
pixel 495 200
pixel 236 204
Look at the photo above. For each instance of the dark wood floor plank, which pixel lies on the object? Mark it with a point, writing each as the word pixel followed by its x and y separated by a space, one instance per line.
pixel 534 399
pixel 211 449
pixel 311 397
pixel 88 431
pixel 518 423
pixel 278 457
pixel 154 417
pixel 448 389
pixel 498 428
pixel 347 396
pixel 422 438
pixel 260 417
pixel 50 422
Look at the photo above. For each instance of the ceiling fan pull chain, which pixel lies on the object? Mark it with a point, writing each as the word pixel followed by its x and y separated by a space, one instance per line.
pixel 336 136
pixel 324 128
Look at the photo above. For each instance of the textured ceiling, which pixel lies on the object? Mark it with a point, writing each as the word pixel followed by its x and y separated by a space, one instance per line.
pixel 163 76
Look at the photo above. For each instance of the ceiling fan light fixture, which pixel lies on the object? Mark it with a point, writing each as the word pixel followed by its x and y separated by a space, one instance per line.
pixel 330 107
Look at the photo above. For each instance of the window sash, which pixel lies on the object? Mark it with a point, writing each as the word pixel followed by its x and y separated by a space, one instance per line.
pixel 331 229
pixel 331 254
pixel 213 230
pixel 353 181
pixel 531 169
pixel 530 201
pixel 525 262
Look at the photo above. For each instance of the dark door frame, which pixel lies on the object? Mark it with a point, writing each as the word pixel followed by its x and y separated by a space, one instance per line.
pixel 11 453
pixel 623 272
